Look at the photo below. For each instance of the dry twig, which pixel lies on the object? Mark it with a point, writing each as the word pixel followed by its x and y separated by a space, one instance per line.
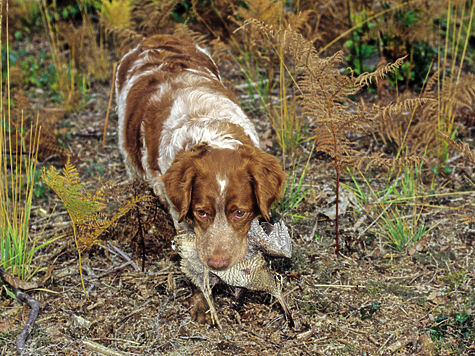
pixel 35 309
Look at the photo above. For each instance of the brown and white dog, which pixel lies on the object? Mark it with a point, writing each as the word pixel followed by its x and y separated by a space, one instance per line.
pixel 184 133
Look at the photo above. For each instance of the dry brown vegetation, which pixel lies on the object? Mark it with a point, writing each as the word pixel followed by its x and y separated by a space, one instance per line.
pixel 387 143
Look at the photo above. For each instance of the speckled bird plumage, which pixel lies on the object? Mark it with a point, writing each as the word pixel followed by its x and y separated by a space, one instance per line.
pixel 273 242
pixel 252 272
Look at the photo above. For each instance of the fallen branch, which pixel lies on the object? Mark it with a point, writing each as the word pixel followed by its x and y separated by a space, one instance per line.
pixel 35 309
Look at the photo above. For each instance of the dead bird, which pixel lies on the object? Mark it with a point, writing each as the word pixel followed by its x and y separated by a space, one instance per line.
pixel 252 272
pixel 272 240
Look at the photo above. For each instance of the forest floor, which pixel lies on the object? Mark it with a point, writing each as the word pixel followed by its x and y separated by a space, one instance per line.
pixel 370 300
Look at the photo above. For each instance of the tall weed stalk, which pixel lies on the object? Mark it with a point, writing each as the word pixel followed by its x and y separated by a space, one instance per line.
pixel 18 152
pixel 289 127
pixel 261 61
pixel 98 64
pixel 68 81
pixel 16 193
pixel 452 91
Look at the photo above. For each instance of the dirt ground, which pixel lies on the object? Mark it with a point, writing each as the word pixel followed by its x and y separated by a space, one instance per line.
pixel 368 301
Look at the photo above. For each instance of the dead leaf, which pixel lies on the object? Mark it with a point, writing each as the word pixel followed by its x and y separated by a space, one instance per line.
pixel 5 326
pixel 398 345
pixel 305 335
pixel 378 252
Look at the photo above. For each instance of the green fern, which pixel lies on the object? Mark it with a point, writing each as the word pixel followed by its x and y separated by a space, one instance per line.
pixel 87 211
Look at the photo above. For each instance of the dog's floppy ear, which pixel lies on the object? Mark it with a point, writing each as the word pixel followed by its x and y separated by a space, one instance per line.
pixel 178 179
pixel 267 179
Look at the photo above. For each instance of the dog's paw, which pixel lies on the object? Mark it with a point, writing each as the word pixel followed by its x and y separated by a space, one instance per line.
pixel 199 309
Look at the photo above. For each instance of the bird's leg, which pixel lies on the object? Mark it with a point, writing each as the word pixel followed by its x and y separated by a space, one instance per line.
pixel 287 312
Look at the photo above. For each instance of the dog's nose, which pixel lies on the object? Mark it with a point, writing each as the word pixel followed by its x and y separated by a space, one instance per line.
pixel 218 262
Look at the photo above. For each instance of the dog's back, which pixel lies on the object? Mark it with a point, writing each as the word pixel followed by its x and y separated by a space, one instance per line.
pixel 170 97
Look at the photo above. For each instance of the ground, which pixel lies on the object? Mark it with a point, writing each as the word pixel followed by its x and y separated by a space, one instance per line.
pixel 367 301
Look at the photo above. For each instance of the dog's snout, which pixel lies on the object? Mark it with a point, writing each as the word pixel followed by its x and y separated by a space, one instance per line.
pixel 218 262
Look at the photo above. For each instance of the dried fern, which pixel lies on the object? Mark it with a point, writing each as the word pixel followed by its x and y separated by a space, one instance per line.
pixel 365 79
pixel 130 22
pixel 463 147
pixel 403 106
pixel 325 92
pixel 325 95
pixel 266 11
pixel 449 96
pixel 117 13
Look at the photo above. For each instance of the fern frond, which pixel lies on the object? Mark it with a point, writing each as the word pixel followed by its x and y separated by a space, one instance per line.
pixel 117 13
pixel 430 89
pixel 464 91
pixel 463 147
pixel 71 176
pixel 150 17
pixel 365 79
pixel 298 21
pixel 68 187
pixel 266 11
pixel 404 105
pixel 380 161
pixel 127 37
pixel 325 99
pixel 325 142
pixel 87 210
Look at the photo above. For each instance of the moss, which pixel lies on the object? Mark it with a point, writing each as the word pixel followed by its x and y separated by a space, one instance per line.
pixel 454 278
pixel 398 289
pixel 7 335
pixel 373 287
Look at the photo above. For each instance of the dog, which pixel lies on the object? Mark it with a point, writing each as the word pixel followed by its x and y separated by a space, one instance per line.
pixel 184 134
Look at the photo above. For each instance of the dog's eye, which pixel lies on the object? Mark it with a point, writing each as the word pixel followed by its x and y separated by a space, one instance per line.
pixel 239 214
pixel 202 214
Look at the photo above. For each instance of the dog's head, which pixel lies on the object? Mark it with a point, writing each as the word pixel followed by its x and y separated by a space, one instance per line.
pixel 222 191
